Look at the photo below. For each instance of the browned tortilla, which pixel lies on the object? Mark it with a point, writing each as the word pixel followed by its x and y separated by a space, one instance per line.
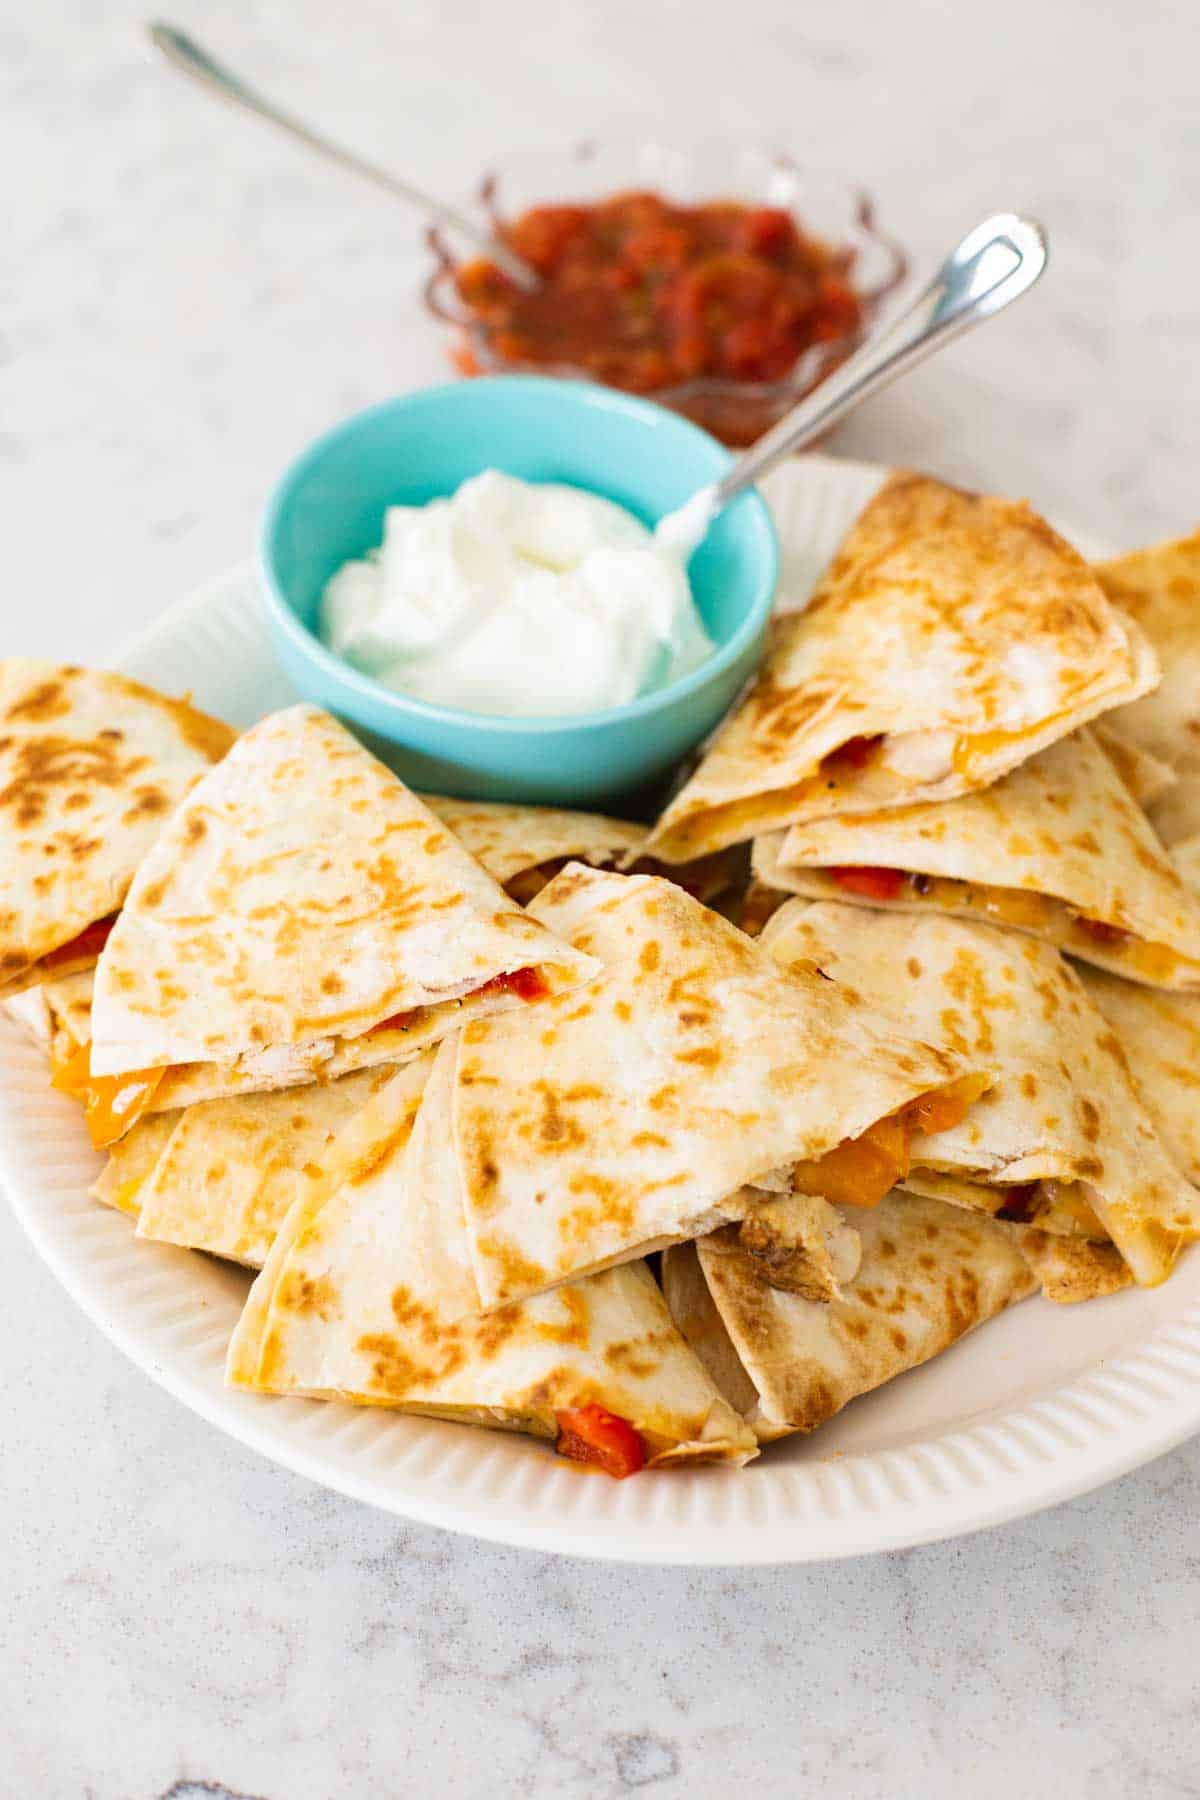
pixel 953 636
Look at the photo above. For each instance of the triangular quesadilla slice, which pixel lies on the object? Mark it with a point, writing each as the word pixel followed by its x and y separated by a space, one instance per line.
pixel 1159 1035
pixel 302 915
pixel 928 1274
pixel 638 1110
pixel 131 1162
pixel 1159 588
pixel 1060 1139
pixel 524 847
pixel 225 1176
pixel 952 637
pixel 365 1292
pixel 1148 778
pixel 1058 849
pixel 91 765
pixel 1175 814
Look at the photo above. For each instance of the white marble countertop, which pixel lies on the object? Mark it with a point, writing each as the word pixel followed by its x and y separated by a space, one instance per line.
pixel 184 301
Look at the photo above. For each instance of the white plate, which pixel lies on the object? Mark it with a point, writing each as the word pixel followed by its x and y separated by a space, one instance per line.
pixel 1043 1403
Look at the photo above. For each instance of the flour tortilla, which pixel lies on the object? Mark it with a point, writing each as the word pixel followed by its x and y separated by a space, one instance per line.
pixel 1159 588
pixel 1175 814
pixel 1061 1109
pixel 58 1013
pixel 131 1162
pixel 523 846
pixel 1149 779
pixel 365 1296
pixel 91 765
pixel 1057 848
pixel 1160 1037
pixel 960 630
pixel 929 1274
pixel 300 898
pixel 636 1111
pixel 225 1178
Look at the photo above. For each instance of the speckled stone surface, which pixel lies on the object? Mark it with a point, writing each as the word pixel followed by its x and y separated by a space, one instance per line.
pixel 183 301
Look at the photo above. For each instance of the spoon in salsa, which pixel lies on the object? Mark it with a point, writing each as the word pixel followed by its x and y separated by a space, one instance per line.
pixel 994 264
pixel 186 54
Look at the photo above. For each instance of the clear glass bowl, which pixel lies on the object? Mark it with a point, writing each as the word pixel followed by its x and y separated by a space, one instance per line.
pixel 823 206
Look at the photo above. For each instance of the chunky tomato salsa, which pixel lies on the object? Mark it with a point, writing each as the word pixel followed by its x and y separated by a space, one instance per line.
pixel 643 294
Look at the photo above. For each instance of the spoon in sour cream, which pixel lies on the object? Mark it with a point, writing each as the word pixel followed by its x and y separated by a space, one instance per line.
pixel 994 264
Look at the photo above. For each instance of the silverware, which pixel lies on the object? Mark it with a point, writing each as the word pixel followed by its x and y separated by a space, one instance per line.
pixel 186 54
pixel 994 264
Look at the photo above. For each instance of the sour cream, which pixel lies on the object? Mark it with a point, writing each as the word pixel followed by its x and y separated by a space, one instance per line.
pixel 516 598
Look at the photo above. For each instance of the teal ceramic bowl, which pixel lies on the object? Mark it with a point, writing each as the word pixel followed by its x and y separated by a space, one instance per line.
pixel 329 507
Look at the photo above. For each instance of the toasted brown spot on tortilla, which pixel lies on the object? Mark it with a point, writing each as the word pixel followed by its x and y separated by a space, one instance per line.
pixel 302 1294
pixel 650 957
pixel 1090 1120
pixel 1029 1086
pixel 516 1272
pixel 49 700
pixel 555 1130
pixel 394 1371
pixel 148 803
pixel 574 1329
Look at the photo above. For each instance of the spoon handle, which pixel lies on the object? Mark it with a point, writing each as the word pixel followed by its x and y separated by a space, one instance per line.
pixel 186 54
pixel 993 265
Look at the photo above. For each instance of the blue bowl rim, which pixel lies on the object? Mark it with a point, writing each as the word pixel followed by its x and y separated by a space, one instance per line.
pixel 367 688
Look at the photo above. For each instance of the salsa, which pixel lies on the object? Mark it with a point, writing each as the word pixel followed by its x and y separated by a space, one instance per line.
pixel 643 294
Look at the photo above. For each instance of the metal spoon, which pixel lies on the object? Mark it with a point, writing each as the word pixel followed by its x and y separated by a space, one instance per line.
pixel 187 54
pixel 994 264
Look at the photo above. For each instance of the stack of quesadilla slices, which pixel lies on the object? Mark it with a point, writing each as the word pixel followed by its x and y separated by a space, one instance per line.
pixel 519 1129
pixel 90 766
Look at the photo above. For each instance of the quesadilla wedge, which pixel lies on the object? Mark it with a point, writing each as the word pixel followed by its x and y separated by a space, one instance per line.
pixel 1148 778
pixel 928 1274
pixel 1159 588
pixel 91 765
pixel 302 915
pixel 1175 814
pixel 1058 848
pixel 1159 1035
pixel 131 1162
pixel 524 847
pixel 951 638
pixel 1060 1139
pixel 366 1296
pixel 225 1176
pixel 642 1108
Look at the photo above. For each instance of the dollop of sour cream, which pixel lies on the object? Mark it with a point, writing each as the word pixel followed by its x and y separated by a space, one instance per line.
pixel 516 598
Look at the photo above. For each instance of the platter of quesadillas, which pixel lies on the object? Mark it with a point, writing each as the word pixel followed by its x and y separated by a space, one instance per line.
pixel 811 1169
